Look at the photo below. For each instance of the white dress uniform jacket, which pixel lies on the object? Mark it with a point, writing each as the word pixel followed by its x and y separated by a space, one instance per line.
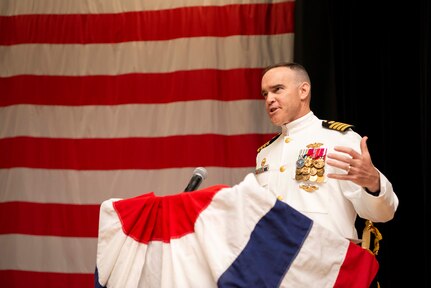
pixel 334 204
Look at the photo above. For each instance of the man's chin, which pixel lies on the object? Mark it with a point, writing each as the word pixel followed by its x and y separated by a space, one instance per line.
pixel 276 122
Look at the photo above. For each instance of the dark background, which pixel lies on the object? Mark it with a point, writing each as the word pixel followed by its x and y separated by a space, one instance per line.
pixel 369 66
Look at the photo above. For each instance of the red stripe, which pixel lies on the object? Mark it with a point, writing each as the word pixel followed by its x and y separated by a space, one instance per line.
pixel 15 278
pixel 358 269
pixel 219 21
pixel 167 217
pixel 224 85
pixel 131 153
pixel 66 220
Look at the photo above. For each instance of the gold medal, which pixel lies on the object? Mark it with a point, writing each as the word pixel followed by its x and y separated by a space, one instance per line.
pixel 313 178
pixel 310 165
pixel 313 171
pixel 308 161
pixel 305 170
pixel 319 163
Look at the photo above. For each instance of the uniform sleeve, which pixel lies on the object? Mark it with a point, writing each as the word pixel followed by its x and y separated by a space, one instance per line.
pixel 377 209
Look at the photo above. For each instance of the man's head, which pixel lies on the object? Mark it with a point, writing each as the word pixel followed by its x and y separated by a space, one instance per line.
pixel 286 88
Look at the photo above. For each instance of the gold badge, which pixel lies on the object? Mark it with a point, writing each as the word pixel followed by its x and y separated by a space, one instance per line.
pixel 308 187
pixel 314 145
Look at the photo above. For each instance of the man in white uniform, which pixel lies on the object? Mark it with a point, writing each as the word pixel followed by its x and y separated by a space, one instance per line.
pixel 321 168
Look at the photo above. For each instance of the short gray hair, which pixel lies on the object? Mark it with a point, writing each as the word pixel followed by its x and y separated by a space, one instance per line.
pixel 301 71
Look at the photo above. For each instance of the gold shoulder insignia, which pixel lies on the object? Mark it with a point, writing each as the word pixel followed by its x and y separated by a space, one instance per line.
pixel 336 125
pixel 269 142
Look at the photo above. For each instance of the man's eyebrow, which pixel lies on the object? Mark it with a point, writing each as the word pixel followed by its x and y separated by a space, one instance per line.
pixel 272 88
pixel 275 86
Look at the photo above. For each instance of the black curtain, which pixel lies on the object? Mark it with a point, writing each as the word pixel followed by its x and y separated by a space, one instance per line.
pixel 370 66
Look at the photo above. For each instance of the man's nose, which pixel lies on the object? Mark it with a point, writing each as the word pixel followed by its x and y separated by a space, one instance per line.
pixel 270 98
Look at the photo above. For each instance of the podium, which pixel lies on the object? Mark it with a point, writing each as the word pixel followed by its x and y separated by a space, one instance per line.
pixel 222 236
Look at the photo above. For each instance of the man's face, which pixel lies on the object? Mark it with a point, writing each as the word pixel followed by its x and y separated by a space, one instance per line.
pixel 281 92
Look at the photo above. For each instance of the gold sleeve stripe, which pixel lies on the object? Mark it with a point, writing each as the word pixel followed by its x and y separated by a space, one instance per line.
pixel 339 126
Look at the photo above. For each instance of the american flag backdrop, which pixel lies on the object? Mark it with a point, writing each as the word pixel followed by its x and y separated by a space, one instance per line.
pixel 116 98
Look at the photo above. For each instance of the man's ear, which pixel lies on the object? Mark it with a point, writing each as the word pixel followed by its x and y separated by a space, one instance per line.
pixel 304 90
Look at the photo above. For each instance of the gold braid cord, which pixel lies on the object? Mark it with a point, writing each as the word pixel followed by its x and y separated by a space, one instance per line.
pixel 366 237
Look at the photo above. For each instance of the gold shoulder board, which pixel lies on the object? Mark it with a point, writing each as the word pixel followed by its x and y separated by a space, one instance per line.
pixel 336 125
pixel 269 142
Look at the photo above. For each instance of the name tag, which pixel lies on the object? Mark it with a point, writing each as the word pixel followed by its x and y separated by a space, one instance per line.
pixel 262 169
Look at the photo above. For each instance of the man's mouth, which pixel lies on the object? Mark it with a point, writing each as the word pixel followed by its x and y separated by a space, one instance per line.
pixel 273 109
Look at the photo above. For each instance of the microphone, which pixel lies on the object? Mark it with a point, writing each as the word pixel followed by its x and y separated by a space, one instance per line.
pixel 199 174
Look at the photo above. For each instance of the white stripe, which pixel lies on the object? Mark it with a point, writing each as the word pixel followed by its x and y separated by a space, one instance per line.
pixel 113 245
pixel 17 7
pixel 136 120
pixel 94 187
pixel 180 263
pixel 146 57
pixel 322 254
pixel 48 253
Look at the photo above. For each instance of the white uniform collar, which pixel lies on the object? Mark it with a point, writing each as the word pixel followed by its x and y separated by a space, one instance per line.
pixel 298 124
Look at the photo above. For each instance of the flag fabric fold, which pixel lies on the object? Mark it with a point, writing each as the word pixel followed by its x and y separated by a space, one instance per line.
pixel 222 236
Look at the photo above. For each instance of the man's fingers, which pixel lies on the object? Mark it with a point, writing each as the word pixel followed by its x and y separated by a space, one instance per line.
pixel 347 150
pixel 339 157
pixel 364 147
pixel 338 164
